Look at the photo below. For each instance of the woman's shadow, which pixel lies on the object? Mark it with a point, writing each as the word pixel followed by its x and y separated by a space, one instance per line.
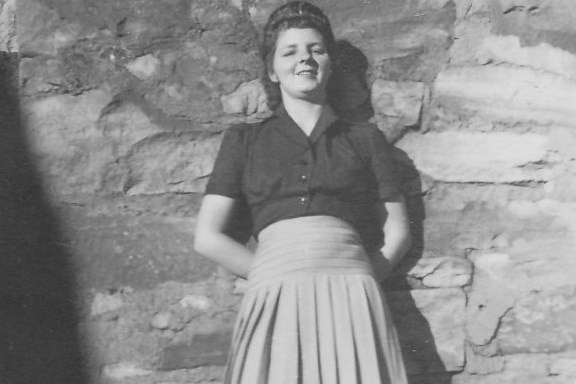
pixel 40 340
pixel 349 94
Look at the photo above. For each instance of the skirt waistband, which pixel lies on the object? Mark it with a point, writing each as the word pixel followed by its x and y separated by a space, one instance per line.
pixel 309 245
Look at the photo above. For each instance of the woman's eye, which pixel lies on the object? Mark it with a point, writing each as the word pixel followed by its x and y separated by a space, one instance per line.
pixel 289 53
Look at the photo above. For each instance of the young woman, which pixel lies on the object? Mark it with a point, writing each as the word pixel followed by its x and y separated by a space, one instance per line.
pixel 329 219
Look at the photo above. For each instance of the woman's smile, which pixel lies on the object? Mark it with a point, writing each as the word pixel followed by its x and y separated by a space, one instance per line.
pixel 307 72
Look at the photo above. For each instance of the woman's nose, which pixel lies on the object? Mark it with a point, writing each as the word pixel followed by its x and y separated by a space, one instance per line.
pixel 306 57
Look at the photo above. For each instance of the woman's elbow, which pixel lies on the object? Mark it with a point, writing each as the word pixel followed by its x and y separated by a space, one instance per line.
pixel 203 243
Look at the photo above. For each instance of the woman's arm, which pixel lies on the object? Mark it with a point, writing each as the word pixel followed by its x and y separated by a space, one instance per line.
pixel 397 239
pixel 211 240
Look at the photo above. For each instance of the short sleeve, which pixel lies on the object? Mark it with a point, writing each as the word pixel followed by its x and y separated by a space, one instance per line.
pixel 226 177
pixel 384 166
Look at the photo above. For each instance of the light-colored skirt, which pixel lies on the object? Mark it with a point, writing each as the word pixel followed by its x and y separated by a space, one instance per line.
pixel 313 312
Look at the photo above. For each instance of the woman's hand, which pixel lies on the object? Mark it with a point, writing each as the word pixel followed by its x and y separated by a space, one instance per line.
pixel 397 239
pixel 381 265
pixel 212 241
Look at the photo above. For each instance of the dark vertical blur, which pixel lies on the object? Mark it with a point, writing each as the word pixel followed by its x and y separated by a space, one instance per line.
pixel 39 339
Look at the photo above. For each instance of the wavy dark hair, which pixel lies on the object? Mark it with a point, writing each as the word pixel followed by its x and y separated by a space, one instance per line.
pixel 294 14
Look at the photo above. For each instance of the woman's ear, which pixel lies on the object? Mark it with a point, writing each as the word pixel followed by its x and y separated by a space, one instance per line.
pixel 273 77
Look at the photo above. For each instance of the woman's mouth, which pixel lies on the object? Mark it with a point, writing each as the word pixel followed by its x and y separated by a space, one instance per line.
pixel 307 72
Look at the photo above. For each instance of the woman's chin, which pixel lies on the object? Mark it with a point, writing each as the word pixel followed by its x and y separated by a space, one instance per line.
pixel 312 95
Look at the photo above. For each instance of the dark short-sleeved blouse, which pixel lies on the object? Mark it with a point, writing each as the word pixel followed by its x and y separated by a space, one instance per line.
pixel 342 169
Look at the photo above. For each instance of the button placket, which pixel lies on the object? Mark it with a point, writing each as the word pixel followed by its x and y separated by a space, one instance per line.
pixel 303 178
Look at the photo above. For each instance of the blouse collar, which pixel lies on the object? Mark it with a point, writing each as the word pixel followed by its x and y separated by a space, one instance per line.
pixel 326 120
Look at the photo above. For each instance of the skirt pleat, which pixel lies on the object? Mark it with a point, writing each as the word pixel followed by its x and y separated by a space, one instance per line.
pixel 313 312
pixel 285 363
pixel 326 335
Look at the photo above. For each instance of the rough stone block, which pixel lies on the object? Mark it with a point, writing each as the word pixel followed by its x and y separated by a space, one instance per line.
pixel 401 102
pixel 82 142
pixel 124 370
pixel 543 57
pixel 543 250
pixel 540 259
pixel 205 349
pixel 399 105
pixel 168 205
pixel 507 93
pixel 490 297
pixel 152 319
pixel 467 8
pixel 161 320
pixel 533 363
pixel 144 67
pixel 563 141
pixel 378 28
pixel 462 217
pixel 540 322
pixel 171 163
pixel 442 272
pixel 431 328
pixel 40 75
pixel 565 366
pixel 194 100
pixel 450 231
pixel 55 121
pixel 72 153
pixel 198 302
pixel 124 124
pixel 41 30
pixel 116 251
pixel 468 36
pixel 520 5
pixel 8 40
pixel 478 364
pixel 433 4
pixel 536 21
pixel 498 157
pixel 103 303
pixel 250 98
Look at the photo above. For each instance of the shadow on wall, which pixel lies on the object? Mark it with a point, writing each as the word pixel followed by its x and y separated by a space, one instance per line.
pixel 418 344
pixel 39 335
pixel 350 97
pixel 348 92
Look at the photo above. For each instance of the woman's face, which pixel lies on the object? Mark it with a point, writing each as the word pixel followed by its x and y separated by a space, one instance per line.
pixel 301 64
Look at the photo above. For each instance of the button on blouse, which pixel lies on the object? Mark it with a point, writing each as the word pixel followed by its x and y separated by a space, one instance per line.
pixel 342 169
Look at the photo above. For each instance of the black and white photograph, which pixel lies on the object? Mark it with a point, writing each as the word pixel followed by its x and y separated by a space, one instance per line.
pixel 287 192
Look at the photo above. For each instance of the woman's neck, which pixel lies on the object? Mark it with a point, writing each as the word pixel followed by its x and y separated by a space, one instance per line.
pixel 304 113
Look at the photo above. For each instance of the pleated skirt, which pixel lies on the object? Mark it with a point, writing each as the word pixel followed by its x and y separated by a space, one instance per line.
pixel 313 312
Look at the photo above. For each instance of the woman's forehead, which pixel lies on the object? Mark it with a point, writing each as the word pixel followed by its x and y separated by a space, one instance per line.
pixel 297 36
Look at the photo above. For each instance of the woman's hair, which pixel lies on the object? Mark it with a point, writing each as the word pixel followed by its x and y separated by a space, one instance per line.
pixel 295 14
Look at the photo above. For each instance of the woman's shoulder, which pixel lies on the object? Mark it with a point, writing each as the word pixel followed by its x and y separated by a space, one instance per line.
pixel 242 132
pixel 242 128
pixel 368 139
pixel 250 128
pixel 362 130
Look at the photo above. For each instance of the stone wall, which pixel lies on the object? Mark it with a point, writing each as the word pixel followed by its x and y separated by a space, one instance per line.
pixel 124 103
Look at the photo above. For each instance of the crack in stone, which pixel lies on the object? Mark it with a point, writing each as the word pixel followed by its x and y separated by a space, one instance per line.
pixel 497 327
pixel 521 8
